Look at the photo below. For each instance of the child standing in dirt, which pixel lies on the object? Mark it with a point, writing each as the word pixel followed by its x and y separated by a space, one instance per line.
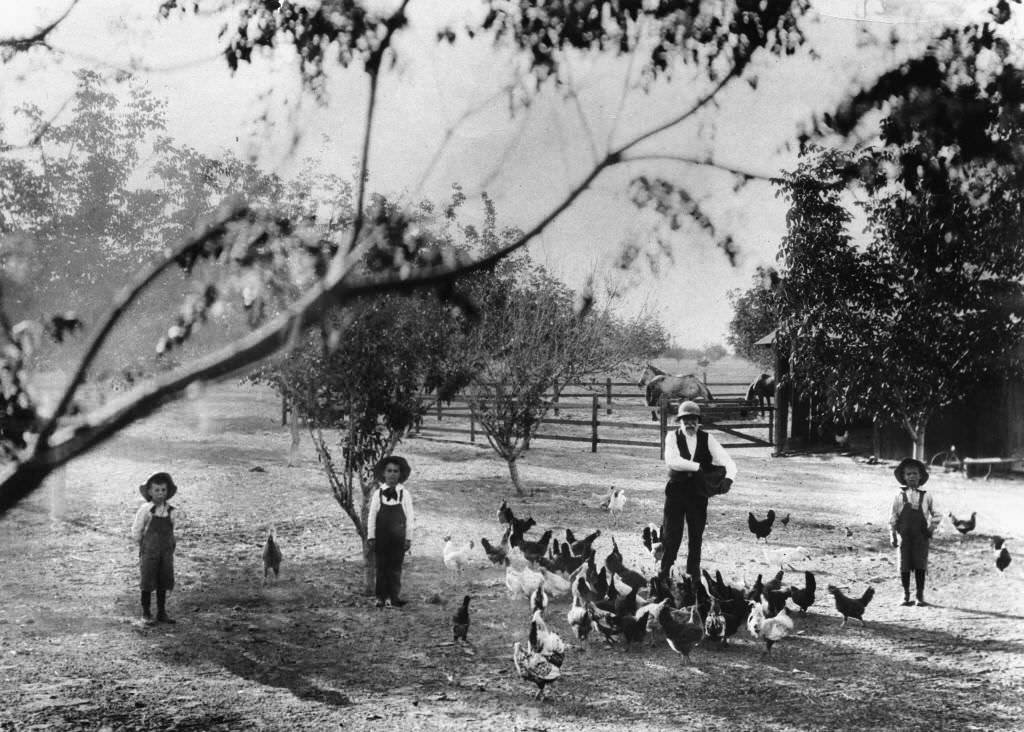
pixel 912 522
pixel 153 531
pixel 389 527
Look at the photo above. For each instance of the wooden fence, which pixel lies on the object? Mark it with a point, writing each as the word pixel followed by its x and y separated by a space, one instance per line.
pixel 579 413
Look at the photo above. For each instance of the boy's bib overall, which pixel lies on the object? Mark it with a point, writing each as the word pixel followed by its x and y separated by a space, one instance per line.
pixel 912 526
pixel 390 549
pixel 156 554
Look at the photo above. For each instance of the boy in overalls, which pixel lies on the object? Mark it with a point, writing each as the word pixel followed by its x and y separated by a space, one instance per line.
pixel 389 528
pixel 911 524
pixel 153 531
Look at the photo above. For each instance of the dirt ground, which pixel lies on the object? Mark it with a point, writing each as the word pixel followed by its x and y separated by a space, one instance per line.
pixel 312 653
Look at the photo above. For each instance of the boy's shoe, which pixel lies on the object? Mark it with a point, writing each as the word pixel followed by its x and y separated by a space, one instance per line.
pixel 921 602
pixel 397 603
pixel 162 617
pixel 379 603
pixel 907 602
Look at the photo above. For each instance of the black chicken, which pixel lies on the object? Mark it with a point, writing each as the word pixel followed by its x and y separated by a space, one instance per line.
pixel 761 528
pixel 460 621
pixel 803 597
pixel 964 526
pixel 851 607
pixel 534 551
pixel 505 515
pixel 580 547
pixel 271 556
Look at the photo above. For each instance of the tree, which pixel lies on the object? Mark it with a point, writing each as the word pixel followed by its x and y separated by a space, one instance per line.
pixel 928 309
pixel 756 314
pixel 712 45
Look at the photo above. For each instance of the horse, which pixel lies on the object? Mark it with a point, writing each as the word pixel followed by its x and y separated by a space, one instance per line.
pixel 660 387
pixel 761 392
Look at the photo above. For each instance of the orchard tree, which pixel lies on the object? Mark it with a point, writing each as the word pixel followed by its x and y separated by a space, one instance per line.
pixel 755 315
pixel 261 255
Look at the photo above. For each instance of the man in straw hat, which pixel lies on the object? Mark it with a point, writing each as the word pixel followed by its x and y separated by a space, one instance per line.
pixel 389 527
pixel 912 522
pixel 698 468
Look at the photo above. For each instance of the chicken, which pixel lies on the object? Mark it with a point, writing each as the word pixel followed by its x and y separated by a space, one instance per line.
pixel 714 623
pixel 803 597
pixel 1001 553
pixel 533 667
pixel 460 621
pixel 522 580
pixel 761 528
pixel 271 555
pixel 539 600
pixel 614 564
pixel 851 607
pixel 775 583
pixel 505 514
pixel 456 557
pixel 785 521
pixel 755 592
pixel 769 630
pixel 652 543
pixel 785 556
pixel 497 554
pixel 521 526
pixel 557 584
pixel 603 500
pixel 964 526
pixel 545 641
pixel 532 550
pixel 582 547
pixel 681 633
pixel 772 601
pixel 579 618
pixel 617 502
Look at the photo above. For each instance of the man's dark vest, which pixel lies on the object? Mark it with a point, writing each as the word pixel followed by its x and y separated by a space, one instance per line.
pixel 705 481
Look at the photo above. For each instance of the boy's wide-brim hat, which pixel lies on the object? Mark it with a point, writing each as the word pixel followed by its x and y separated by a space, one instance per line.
pixel 164 478
pixel 688 409
pixel 904 463
pixel 403 466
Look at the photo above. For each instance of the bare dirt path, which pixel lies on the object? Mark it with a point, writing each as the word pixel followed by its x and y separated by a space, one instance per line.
pixel 312 653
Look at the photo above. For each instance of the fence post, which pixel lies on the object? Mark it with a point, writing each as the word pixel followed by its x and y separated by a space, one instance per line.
pixel 554 398
pixel 608 393
pixel 472 424
pixel 439 408
pixel 593 425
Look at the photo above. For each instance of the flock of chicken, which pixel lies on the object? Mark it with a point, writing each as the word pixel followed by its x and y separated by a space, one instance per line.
pixel 623 605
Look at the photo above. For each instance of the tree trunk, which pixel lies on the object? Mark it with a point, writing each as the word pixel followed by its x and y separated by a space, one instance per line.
pixel 369 570
pixel 513 471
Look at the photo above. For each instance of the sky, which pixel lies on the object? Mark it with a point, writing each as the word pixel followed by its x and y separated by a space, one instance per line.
pixel 442 118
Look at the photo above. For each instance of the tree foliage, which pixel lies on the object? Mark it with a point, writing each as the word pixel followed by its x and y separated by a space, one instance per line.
pixel 755 315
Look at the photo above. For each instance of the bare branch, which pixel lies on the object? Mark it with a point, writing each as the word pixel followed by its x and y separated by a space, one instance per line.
pixel 706 161
pixel 39 37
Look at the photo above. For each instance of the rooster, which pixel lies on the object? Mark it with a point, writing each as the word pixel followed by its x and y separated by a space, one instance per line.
pixel 271 556
pixel 1001 553
pixel 617 502
pixel 714 623
pixel 456 558
pixel 803 597
pixel 505 514
pixel 851 607
pixel 964 526
pixel 497 554
pixel 460 621
pixel 761 528
pixel 532 666
pixel 769 630
pixel 545 641
pixel 614 564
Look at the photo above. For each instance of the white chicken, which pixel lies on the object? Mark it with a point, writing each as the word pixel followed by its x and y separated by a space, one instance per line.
pixel 769 630
pixel 556 584
pixel 579 619
pixel 617 502
pixel 456 557
pixel 784 556
pixel 522 581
